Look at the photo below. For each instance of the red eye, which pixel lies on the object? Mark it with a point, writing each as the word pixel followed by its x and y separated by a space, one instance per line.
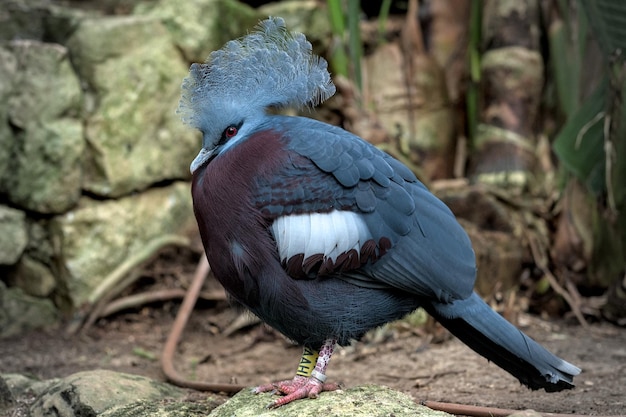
pixel 230 131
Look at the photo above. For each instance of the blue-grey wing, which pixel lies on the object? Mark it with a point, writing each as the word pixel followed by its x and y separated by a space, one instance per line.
pixel 342 207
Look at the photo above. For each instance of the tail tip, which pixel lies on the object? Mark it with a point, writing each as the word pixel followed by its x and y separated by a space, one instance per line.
pixel 560 378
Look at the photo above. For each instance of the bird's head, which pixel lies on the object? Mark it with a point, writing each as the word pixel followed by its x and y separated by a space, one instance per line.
pixel 226 97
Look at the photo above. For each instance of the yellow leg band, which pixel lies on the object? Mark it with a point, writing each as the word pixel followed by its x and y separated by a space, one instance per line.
pixel 307 362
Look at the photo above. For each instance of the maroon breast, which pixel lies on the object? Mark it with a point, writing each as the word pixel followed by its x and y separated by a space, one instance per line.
pixel 234 233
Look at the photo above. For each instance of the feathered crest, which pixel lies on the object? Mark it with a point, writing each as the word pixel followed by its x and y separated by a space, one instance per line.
pixel 268 67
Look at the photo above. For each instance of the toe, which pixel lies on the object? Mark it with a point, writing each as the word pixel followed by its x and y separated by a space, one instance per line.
pixel 271 387
pixel 295 389
pixel 310 389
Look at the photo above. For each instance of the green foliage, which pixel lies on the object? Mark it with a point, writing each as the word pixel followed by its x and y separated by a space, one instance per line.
pixel 579 144
pixel 568 41
pixel 347 49
pixel 608 22
pixel 474 67
pixel 589 144
pixel 382 19
pixel 339 57
pixel 355 46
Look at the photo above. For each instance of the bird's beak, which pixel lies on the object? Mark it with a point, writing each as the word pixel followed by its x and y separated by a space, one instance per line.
pixel 203 156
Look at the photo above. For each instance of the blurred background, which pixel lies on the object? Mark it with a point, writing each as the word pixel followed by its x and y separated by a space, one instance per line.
pixel 511 111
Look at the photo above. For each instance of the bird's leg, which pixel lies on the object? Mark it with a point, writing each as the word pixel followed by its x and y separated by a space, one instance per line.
pixel 309 380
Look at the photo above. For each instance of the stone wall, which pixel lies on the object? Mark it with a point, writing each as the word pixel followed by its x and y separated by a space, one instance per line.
pixel 94 162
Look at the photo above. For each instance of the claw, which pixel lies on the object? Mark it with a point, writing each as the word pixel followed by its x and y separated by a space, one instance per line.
pixel 271 387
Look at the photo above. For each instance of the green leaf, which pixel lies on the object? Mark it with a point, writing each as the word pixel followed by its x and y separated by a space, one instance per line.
pixel 608 21
pixel 580 143
pixel 354 41
pixel 338 58
pixel 566 65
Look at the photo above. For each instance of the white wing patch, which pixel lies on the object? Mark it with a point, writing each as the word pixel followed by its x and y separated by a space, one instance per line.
pixel 329 234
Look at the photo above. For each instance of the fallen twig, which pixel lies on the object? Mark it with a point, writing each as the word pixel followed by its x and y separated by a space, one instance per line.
pixel 110 282
pixel 429 377
pixel 136 300
pixel 119 279
pixel 96 310
pixel 167 363
pixel 541 262
pixel 477 411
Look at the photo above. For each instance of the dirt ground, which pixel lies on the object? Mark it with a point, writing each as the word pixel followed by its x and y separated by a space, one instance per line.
pixel 427 367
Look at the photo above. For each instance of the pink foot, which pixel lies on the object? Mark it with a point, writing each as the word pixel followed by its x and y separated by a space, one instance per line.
pixel 308 382
pixel 295 389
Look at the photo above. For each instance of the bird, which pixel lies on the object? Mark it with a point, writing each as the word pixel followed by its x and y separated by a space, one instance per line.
pixel 319 233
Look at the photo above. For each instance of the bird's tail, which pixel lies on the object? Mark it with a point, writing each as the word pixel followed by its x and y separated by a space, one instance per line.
pixel 490 335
